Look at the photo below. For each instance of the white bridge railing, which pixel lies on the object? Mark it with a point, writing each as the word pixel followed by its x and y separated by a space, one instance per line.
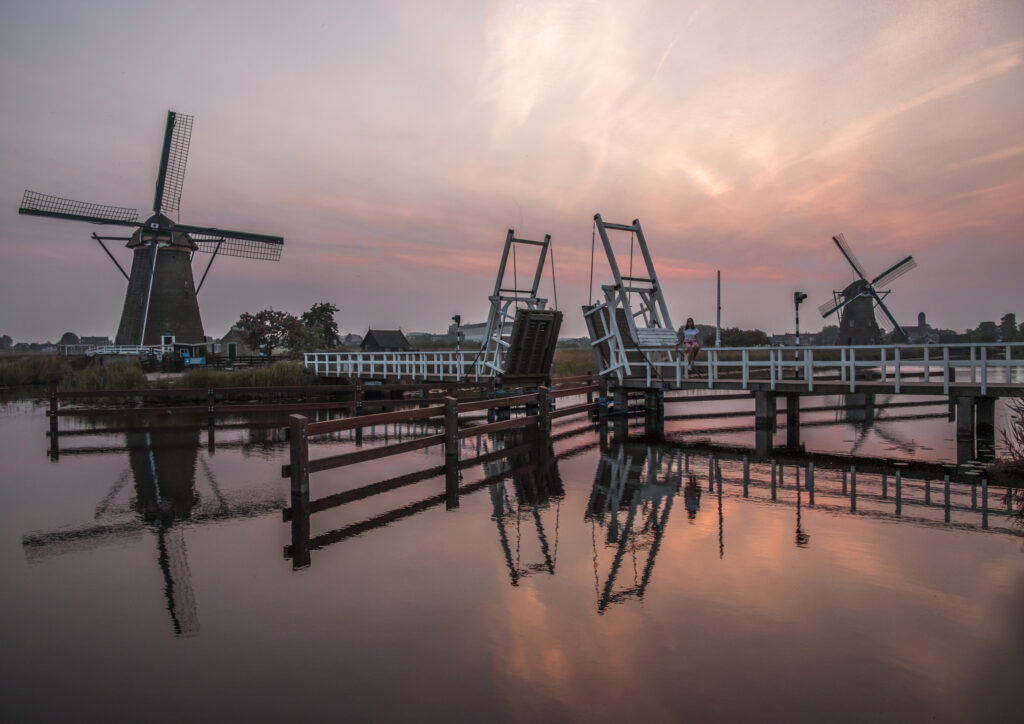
pixel 128 349
pixel 440 365
pixel 980 364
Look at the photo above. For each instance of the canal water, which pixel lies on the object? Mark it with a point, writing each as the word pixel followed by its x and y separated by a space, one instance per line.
pixel 153 572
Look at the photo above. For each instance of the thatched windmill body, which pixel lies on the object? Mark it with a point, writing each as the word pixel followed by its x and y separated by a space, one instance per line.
pixel 160 305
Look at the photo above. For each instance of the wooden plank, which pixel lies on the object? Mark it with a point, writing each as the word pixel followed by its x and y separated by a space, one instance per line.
pixel 383 418
pixel 497 402
pixel 571 391
pixel 573 410
pixel 515 422
pixel 374 453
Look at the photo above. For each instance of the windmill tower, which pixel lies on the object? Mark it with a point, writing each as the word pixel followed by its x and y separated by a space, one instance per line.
pixel 160 305
pixel 858 302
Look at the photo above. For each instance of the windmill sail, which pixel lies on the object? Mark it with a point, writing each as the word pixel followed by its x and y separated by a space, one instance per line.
pixel 173 158
pixel 894 272
pixel 37 204
pixel 266 249
pixel 844 247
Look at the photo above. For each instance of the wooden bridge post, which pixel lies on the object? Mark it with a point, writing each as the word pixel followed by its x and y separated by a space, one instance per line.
pixel 793 420
pixel 985 427
pixel 765 412
pixel 451 482
pixel 544 409
pixel 298 551
pixel 654 412
pixel 298 444
pixel 451 428
pixel 54 432
pixel 964 429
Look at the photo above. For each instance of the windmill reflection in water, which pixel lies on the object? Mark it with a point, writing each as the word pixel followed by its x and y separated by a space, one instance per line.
pixel 164 460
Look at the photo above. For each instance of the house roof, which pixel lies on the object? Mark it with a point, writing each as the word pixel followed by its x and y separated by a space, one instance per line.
pixel 387 338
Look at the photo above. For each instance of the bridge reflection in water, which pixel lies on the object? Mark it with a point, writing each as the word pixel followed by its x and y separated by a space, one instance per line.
pixel 632 500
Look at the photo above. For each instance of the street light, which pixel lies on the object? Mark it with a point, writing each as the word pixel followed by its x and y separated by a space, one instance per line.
pixel 797 298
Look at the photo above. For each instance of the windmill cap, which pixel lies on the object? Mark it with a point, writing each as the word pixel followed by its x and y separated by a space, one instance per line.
pixel 162 227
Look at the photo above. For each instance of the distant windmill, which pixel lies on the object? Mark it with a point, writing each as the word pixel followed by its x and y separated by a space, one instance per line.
pixel 160 306
pixel 857 303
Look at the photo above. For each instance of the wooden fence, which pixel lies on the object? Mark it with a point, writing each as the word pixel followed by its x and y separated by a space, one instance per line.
pixel 538 403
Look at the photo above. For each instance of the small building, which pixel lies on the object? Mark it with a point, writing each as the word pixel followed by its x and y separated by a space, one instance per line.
pixel 234 344
pixel 352 340
pixel 384 340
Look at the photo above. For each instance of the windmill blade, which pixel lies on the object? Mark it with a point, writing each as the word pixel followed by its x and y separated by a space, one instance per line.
pixel 830 306
pixel 235 243
pixel 173 158
pixel 37 204
pixel 844 247
pixel 835 305
pixel 894 272
pixel 887 315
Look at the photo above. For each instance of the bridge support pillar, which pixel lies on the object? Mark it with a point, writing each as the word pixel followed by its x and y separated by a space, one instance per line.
pixel 985 428
pixel 765 412
pixel 964 429
pixel 793 421
pixel 654 412
pixel 621 416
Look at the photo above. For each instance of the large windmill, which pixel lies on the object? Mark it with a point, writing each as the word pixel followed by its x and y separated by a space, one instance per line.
pixel 856 304
pixel 160 305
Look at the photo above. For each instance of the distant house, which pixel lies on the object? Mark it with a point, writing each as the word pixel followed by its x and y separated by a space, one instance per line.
pixel 352 340
pixel 385 340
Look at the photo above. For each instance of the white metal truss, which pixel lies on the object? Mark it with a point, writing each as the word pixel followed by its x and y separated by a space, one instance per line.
pixel 506 300
pixel 649 325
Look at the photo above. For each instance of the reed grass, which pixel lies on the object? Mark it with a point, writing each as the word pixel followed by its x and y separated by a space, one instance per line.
pixel 281 374
pixel 570 362
pixel 33 370
pixel 125 375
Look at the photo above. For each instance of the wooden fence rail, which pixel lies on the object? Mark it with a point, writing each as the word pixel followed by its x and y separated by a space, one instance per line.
pixel 301 429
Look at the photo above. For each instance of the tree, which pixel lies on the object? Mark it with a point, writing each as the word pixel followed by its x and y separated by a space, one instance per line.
pixel 735 337
pixel 985 332
pixel 269 329
pixel 829 335
pixel 1008 327
pixel 319 320
pixel 6 343
pixel 68 338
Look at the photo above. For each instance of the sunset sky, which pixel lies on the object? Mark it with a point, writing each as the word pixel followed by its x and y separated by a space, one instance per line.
pixel 393 143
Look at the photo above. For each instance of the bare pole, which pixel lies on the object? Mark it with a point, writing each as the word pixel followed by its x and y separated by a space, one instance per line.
pixel 718 317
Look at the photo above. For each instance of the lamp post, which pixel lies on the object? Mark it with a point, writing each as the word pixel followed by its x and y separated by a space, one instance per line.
pixel 458 332
pixel 797 298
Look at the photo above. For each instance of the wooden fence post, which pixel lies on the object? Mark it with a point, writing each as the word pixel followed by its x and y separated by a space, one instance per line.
pixel 299 449
pixel 54 432
pixel 451 427
pixel 544 409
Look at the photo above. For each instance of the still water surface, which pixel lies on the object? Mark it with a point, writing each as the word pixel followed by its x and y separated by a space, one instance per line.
pixel 150 576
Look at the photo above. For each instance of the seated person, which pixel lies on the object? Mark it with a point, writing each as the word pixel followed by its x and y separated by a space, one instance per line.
pixel 691 343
